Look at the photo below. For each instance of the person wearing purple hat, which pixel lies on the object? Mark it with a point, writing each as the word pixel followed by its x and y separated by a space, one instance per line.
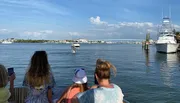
pixel 79 85
pixel 105 91
pixel 80 76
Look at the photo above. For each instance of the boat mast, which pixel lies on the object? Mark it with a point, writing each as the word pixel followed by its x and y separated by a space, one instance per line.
pixel 172 26
pixel 162 14
pixel 170 12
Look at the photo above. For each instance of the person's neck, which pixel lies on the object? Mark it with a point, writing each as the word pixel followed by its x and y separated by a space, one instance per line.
pixel 105 83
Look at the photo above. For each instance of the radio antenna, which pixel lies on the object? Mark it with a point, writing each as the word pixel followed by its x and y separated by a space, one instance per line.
pixel 162 14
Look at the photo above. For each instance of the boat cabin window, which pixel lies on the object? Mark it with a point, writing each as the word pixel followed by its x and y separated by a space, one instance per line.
pixel 170 35
pixel 166 33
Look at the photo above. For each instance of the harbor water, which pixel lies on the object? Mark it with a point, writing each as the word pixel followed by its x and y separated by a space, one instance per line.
pixel 144 77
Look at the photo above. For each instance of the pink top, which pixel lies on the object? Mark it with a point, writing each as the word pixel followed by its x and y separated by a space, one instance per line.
pixel 72 93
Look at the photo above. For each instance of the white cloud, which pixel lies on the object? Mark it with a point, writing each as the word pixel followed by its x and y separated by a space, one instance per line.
pixel 137 27
pixel 131 30
pixel 97 29
pixel 74 33
pixel 40 34
pixel 5 31
pixel 97 20
pixel 137 24
pixel 47 31
pixel 38 5
pixel 32 33
pixel 177 27
pixel 151 30
pixel 122 29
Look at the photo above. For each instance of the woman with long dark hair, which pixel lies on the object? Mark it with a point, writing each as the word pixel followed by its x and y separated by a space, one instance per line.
pixel 39 79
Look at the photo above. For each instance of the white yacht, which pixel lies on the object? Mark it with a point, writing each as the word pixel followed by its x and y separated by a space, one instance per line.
pixel 74 47
pixel 166 42
pixel 6 42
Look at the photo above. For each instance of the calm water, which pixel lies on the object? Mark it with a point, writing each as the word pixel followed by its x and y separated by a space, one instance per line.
pixel 144 77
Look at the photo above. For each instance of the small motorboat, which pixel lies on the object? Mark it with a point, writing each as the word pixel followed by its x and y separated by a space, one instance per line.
pixel 75 45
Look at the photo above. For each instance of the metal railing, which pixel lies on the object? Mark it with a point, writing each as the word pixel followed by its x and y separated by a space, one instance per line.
pixel 20 93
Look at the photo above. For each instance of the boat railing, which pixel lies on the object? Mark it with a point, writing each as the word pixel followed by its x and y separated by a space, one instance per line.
pixel 20 93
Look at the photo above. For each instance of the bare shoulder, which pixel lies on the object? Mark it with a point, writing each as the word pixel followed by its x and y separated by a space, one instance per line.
pixel 93 87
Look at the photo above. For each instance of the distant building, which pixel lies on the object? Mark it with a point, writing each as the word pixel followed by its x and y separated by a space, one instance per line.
pixel 102 41
pixel 82 40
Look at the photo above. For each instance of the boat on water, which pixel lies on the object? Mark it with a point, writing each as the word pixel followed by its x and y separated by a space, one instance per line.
pixel 6 42
pixel 166 42
pixel 75 45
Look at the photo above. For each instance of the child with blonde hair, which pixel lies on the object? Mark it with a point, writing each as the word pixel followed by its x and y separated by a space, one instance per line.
pixel 4 92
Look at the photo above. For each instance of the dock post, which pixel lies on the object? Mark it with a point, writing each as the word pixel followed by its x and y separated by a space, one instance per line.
pixel 146 44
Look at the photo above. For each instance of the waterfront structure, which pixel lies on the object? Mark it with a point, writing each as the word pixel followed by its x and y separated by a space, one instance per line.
pixel 82 40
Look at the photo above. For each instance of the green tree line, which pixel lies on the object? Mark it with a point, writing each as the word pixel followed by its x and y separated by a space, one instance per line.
pixel 30 41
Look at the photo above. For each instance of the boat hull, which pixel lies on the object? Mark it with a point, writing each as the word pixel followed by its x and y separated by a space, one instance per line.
pixel 167 47
pixel 75 45
pixel 6 42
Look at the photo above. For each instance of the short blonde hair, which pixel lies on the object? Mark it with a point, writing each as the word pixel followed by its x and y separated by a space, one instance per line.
pixel 3 76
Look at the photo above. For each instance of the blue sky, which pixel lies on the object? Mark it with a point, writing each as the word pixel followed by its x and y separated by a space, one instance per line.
pixel 91 19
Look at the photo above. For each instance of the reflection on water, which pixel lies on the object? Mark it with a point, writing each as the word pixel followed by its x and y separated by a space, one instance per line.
pixel 146 52
pixel 147 60
pixel 167 65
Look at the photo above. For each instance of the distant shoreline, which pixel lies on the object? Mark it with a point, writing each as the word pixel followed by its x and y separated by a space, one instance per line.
pixel 83 41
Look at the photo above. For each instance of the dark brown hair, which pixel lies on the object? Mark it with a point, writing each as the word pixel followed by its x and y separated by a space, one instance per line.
pixel 83 87
pixel 103 69
pixel 39 69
